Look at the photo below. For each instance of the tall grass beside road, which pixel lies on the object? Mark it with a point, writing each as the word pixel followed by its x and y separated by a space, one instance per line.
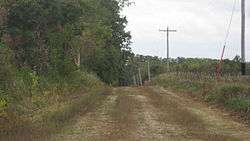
pixel 232 92
pixel 41 106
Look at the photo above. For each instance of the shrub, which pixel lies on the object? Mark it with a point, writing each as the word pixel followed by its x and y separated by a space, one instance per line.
pixel 189 86
pixel 170 81
pixel 1 45
pixel 27 82
pixel 79 79
pixel 229 91
pixel 6 69
pixel 3 104
pixel 239 104
pixel 7 76
pixel 210 97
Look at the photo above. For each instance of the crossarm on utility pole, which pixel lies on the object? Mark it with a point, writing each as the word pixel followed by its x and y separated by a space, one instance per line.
pixel 167 31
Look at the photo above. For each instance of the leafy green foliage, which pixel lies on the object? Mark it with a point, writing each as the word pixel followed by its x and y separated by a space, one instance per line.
pixel 2 45
pixel 229 91
pixel 6 72
pixel 47 36
pixel 107 43
pixel 3 103
pixel 239 104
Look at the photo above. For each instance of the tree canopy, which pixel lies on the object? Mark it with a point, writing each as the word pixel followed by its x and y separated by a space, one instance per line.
pixel 48 36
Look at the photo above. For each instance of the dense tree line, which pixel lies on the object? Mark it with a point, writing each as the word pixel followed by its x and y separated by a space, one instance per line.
pixel 59 47
pixel 54 36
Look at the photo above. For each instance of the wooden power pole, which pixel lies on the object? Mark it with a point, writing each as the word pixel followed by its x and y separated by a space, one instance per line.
pixel 243 49
pixel 140 77
pixel 167 31
pixel 149 73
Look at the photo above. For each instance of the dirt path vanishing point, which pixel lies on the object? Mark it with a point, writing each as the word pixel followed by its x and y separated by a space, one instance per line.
pixel 153 114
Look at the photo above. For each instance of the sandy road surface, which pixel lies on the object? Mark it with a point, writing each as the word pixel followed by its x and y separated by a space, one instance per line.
pixel 153 114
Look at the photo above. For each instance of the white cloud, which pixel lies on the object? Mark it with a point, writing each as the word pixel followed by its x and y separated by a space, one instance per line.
pixel 201 26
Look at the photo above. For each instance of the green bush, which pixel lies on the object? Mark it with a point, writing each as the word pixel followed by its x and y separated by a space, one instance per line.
pixel 28 80
pixel 3 104
pixel 231 90
pixel 177 84
pixel 189 86
pixel 7 75
pixel 234 96
pixel 210 97
pixel 226 92
pixel 79 79
pixel 1 45
pixel 239 104
pixel 6 69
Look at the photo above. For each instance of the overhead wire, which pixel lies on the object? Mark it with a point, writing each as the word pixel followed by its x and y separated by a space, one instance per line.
pixel 228 30
pixel 230 23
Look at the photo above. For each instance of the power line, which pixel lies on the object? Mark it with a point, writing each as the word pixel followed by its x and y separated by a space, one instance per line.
pixel 230 23
pixel 225 41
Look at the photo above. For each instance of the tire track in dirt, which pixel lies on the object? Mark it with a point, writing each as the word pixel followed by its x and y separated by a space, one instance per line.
pixel 94 126
pixel 151 129
pixel 214 124
pixel 152 114
pixel 145 118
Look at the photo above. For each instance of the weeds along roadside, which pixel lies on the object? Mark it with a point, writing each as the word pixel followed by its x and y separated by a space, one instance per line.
pixel 233 93
pixel 38 106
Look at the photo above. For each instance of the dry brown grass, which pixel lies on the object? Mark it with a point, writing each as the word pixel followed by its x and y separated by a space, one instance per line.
pixel 122 114
pixel 52 119
pixel 174 112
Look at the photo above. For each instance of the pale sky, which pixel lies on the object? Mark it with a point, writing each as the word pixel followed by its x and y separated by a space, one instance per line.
pixel 201 26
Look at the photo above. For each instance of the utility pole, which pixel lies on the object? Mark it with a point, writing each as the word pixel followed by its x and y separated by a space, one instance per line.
pixel 243 49
pixel 149 74
pixel 167 31
pixel 140 78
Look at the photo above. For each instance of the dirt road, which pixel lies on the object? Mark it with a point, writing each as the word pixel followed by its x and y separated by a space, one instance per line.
pixel 153 114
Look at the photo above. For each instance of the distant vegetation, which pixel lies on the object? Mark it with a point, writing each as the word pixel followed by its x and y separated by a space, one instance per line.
pixel 195 66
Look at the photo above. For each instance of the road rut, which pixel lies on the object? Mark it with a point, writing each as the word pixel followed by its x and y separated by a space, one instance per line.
pixel 153 114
